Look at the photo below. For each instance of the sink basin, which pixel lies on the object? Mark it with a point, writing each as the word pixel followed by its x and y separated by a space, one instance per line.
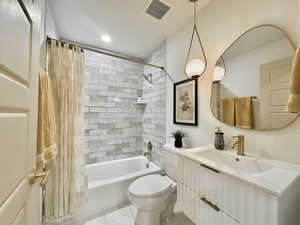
pixel 244 164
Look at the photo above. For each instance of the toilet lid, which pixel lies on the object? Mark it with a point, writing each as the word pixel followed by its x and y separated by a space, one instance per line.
pixel 149 185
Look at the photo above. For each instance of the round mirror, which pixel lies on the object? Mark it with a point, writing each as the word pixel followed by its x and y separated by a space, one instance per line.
pixel 251 80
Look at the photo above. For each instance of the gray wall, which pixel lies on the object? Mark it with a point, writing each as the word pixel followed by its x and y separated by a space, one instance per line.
pixel 116 130
pixel 113 127
pixel 154 126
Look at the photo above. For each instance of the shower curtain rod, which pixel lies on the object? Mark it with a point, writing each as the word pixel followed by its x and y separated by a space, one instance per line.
pixel 89 48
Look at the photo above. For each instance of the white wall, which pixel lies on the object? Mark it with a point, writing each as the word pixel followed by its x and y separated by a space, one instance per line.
pixel 219 24
pixel 243 71
pixel 48 29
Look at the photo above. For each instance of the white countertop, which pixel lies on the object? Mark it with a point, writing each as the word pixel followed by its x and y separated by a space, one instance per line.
pixel 275 180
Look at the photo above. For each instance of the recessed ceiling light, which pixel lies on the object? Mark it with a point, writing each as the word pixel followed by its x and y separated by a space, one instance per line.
pixel 106 38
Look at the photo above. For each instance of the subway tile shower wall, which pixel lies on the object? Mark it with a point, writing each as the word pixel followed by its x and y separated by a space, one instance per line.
pixel 114 128
pixel 154 117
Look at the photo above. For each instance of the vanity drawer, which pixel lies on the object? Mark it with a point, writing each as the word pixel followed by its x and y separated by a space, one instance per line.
pixel 200 210
pixel 200 179
pixel 246 203
pixel 212 216
pixel 210 183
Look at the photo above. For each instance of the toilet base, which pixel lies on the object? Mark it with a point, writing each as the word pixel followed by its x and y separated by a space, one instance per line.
pixel 147 217
pixel 168 212
pixel 157 217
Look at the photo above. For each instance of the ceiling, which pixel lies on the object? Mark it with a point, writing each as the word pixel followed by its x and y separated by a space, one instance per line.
pixel 133 32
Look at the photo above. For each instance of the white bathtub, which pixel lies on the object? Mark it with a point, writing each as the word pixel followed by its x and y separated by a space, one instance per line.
pixel 108 183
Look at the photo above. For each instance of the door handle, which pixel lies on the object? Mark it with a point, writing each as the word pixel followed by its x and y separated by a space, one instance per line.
pixel 37 174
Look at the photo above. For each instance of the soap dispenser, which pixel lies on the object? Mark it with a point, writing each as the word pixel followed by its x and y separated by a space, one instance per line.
pixel 219 139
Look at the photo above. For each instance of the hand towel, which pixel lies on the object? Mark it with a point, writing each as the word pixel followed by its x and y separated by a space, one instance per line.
pixel 228 111
pixel 294 99
pixel 46 141
pixel 244 112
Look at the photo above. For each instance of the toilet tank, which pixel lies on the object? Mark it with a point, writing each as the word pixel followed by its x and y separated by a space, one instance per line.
pixel 170 160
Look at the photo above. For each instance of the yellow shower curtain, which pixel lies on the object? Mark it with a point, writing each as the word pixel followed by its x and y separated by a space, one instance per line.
pixel 66 188
pixel 46 141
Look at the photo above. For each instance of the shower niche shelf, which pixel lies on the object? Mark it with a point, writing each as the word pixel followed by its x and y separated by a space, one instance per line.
pixel 140 103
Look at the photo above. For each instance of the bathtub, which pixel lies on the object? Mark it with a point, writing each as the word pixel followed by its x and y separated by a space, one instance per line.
pixel 108 183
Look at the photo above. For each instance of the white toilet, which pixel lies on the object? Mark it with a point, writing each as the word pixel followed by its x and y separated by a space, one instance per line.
pixel 155 195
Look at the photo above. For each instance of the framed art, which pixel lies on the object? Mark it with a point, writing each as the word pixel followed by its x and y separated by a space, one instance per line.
pixel 185 108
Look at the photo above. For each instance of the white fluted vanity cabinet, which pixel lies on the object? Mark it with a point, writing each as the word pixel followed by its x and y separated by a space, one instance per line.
pixel 248 192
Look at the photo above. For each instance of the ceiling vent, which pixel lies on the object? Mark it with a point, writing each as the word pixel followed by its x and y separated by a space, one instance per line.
pixel 157 9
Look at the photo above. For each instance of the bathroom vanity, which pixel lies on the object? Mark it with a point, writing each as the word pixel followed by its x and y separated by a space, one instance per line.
pixel 222 188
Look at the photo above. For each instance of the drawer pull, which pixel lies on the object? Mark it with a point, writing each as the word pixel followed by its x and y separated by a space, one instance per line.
pixel 210 204
pixel 207 167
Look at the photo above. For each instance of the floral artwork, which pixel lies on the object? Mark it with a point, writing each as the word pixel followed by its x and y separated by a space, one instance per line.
pixel 185 102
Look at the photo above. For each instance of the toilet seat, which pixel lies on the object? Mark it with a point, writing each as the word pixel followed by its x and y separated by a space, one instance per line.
pixel 150 186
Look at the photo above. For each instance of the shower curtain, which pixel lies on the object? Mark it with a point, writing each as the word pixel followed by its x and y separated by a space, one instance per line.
pixel 66 189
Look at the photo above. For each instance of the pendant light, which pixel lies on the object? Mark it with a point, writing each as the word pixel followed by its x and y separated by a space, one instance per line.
pixel 219 70
pixel 195 67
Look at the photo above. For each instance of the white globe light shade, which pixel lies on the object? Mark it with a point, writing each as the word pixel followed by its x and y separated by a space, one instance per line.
pixel 194 67
pixel 218 73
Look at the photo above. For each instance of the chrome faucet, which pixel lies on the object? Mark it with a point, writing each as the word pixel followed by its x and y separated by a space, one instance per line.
pixel 149 153
pixel 240 142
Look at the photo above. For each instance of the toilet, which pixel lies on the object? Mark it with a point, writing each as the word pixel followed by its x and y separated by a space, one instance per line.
pixel 155 195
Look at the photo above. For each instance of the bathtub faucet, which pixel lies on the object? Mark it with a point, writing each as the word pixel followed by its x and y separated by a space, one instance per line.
pixel 149 146
pixel 149 153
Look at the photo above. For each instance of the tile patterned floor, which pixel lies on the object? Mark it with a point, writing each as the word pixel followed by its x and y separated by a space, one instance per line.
pixel 126 216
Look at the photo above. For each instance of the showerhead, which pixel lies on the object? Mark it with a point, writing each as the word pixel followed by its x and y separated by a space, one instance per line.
pixel 148 78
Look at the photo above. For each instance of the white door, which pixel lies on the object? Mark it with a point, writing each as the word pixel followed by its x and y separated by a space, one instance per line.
pixel 19 66
pixel 275 77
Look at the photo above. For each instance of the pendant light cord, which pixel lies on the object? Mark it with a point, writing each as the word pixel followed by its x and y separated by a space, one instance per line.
pixel 195 31
pixel 223 61
pixel 195 14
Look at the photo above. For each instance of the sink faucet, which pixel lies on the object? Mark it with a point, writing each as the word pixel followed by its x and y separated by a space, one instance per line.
pixel 149 153
pixel 240 143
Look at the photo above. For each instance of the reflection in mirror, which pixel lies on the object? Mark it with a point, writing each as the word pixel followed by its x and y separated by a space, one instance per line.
pixel 251 80
pixel 219 70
